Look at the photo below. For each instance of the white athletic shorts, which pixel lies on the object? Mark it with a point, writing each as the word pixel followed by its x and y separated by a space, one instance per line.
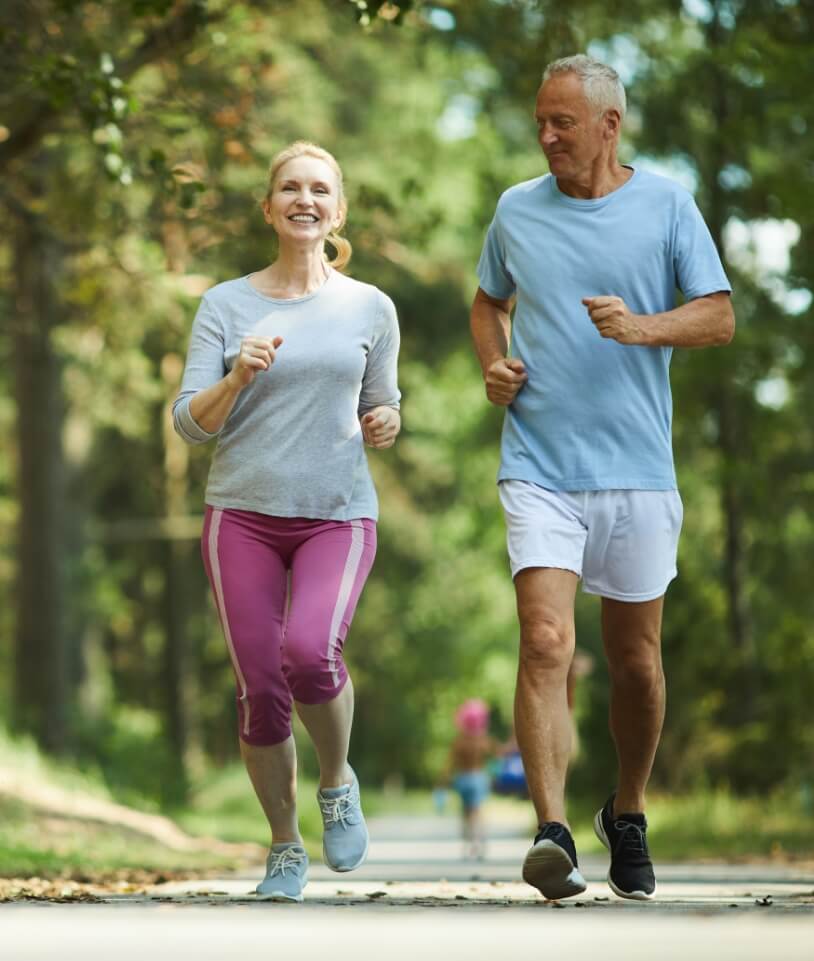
pixel 622 543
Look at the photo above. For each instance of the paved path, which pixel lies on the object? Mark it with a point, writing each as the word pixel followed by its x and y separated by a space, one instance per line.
pixel 417 899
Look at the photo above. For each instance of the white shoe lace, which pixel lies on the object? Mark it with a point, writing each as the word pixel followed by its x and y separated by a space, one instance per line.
pixel 337 809
pixel 278 861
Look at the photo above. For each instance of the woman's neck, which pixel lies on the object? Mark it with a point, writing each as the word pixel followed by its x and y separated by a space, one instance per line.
pixel 295 273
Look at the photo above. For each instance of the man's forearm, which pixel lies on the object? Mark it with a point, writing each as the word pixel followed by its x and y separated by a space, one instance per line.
pixel 703 322
pixel 490 326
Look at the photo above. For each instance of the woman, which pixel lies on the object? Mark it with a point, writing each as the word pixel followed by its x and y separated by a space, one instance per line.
pixel 293 369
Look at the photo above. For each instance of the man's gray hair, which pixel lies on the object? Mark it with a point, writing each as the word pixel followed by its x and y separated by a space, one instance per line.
pixel 601 83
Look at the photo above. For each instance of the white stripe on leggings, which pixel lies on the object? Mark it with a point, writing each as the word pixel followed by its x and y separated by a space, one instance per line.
pixel 217 583
pixel 357 544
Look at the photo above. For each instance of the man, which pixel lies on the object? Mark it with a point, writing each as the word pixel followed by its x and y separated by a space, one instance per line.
pixel 591 254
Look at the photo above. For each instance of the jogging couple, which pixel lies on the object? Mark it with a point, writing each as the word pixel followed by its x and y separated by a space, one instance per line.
pixel 293 369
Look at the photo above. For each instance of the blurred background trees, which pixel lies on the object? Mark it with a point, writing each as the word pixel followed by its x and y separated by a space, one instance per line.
pixel 135 138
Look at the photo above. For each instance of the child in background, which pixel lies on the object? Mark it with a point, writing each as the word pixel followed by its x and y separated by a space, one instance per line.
pixel 466 770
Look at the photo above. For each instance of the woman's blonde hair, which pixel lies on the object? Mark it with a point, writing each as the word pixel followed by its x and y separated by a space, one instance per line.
pixel 303 148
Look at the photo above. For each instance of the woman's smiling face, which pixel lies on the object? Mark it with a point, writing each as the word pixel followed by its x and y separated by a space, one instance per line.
pixel 304 205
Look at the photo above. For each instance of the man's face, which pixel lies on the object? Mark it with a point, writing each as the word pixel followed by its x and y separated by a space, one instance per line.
pixel 573 136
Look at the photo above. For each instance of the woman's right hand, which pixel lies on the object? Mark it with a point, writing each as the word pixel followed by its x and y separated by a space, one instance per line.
pixel 256 353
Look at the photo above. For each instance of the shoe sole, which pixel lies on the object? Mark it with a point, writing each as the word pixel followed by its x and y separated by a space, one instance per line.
pixel 352 867
pixel 280 895
pixel 599 831
pixel 549 869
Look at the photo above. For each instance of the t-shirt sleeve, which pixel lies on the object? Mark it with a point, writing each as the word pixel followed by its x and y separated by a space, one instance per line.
pixel 698 267
pixel 205 366
pixel 380 380
pixel 493 274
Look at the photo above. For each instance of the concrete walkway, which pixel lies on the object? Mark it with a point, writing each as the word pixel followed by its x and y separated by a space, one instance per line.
pixel 418 861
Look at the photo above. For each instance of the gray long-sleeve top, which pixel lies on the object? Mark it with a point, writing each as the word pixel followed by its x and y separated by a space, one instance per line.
pixel 292 445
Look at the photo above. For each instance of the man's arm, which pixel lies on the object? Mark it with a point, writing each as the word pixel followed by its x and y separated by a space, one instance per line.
pixel 490 323
pixel 704 322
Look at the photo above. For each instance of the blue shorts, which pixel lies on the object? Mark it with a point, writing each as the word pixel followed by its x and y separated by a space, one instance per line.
pixel 473 787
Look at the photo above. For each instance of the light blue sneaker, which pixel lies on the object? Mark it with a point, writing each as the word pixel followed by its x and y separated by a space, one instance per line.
pixel 345 839
pixel 286 872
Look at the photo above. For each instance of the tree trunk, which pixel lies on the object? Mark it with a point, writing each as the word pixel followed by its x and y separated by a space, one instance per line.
pixel 181 690
pixel 729 429
pixel 41 683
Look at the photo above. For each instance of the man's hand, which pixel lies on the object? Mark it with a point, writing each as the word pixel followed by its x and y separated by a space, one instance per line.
pixel 504 378
pixel 613 319
pixel 380 427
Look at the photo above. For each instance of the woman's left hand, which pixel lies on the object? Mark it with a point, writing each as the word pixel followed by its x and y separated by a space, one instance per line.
pixel 380 427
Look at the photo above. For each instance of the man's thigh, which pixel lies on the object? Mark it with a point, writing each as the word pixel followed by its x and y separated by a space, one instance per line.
pixel 632 631
pixel 632 544
pixel 545 596
pixel 544 528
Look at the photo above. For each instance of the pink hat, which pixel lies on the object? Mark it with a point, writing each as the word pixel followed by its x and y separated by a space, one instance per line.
pixel 472 717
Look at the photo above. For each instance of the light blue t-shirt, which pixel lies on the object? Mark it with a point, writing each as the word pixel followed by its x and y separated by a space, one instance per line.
pixel 594 414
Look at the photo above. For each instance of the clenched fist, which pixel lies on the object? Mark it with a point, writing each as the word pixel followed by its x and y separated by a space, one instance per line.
pixel 380 427
pixel 256 354
pixel 504 378
pixel 613 319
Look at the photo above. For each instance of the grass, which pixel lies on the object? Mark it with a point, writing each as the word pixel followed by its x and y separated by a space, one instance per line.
pixel 45 844
pixel 48 839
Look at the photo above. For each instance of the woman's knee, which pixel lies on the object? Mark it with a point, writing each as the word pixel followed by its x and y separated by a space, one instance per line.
pixel 264 715
pixel 313 676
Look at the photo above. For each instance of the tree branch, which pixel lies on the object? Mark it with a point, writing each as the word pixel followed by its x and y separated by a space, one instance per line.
pixel 168 37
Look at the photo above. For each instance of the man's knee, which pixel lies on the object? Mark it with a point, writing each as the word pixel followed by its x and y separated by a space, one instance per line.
pixel 637 666
pixel 546 642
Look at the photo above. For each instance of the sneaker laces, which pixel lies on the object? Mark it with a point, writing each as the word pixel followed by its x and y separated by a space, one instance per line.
pixel 631 837
pixel 278 861
pixel 337 809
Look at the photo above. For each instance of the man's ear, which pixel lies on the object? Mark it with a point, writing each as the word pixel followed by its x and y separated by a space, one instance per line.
pixel 612 121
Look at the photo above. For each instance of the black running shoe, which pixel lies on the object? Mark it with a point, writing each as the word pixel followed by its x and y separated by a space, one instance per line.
pixel 551 863
pixel 625 836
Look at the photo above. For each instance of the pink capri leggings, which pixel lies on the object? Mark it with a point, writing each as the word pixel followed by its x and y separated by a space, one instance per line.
pixel 285 638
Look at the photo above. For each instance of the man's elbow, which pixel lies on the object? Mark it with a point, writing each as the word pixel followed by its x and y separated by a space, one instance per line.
pixel 726 327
